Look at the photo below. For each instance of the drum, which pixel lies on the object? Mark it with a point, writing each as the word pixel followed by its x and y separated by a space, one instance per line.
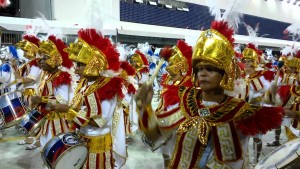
pixel 285 156
pixel 11 109
pixel 31 123
pixel 65 150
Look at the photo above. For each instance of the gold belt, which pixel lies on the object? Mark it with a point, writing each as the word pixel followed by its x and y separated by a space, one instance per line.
pixel 53 116
pixel 98 144
pixel 29 92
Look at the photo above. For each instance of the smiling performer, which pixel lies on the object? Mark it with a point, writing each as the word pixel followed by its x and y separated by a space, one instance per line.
pixel 54 87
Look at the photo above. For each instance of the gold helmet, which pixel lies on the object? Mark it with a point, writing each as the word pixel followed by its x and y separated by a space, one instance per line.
pixel 251 52
pixel 180 59
pixel 95 51
pixel 139 62
pixel 215 46
pixel 54 48
pixel 29 44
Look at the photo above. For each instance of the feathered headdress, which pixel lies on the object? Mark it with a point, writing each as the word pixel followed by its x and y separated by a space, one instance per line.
pixel 54 48
pixel 140 62
pixel 290 56
pixel 215 45
pixel 92 48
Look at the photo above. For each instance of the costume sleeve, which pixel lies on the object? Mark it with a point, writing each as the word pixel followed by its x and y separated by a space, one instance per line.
pixel 34 73
pixel 253 120
pixel 5 77
pixel 108 107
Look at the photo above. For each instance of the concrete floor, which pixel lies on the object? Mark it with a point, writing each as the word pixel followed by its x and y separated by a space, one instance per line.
pixel 13 156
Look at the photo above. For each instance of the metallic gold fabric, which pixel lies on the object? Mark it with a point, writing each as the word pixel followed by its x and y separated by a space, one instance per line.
pixel 84 53
pixel 137 59
pixel 249 53
pixel 177 62
pixel 30 48
pixel 52 116
pixel 214 48
pixel 99 144
pixel 48 48
pixel 29 92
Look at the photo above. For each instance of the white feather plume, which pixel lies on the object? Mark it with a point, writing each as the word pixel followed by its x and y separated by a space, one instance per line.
pixel 289 50
pixel 231 15
pixel 122 52
pixel 294 31
pixel 93 17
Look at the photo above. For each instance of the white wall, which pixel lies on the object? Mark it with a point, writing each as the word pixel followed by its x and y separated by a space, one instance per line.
pixel 272 9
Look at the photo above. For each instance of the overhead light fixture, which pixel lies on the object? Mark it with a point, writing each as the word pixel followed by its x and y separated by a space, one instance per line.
pixel 152 2
pixel 139 1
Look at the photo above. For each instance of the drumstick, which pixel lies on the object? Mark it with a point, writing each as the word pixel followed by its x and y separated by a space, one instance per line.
pixel 165 54
pixel 279 65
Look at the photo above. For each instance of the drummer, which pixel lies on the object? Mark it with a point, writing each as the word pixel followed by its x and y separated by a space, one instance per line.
pixel 29 73
pixel 96 106
pixel 54 87
pixel 7 71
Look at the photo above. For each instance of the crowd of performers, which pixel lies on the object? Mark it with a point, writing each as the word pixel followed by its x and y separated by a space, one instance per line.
pixel 212 99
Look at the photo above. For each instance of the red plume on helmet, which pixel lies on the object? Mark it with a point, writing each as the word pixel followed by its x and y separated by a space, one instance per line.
pixel 252 46
pixel 33 39
pixel 93 38
pixel 60 45
pixel 128 68
pixel 166 52
pixel 145 69
pixel 187 52
pixel 223 28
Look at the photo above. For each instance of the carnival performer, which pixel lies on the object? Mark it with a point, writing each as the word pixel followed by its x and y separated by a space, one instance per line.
pixel 129 107
pixel 288 93
pixel 9 58
pixel 54 87
pixel 179 73
pixel 258 87
pixel 29 73
pixel 96 106
pixel 214 128
pixel 139 61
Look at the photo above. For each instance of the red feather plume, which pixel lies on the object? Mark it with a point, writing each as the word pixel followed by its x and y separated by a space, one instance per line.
pixel 60 45
pixel 187 52
pixel 144 58
pixel 93 38
pixel 265 119
pixel 170 96
pixel 33 39
pixel 283 92
pixel 63 78
pixel 223 28
pixel 128 68
pixel 111 89
pixel 269 75
pixel 298 54
pixel 3 3
pixel 166 53
pixel 252 46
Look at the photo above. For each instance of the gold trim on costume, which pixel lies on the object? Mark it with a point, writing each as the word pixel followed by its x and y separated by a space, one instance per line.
pixel 99 144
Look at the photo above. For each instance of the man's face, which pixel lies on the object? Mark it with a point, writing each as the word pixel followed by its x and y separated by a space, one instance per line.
pixel 249 64
pixel 79 68
pixel 43 63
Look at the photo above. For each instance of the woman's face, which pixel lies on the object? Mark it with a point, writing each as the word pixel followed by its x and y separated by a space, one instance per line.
pixel 79 68
pixel 209 77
